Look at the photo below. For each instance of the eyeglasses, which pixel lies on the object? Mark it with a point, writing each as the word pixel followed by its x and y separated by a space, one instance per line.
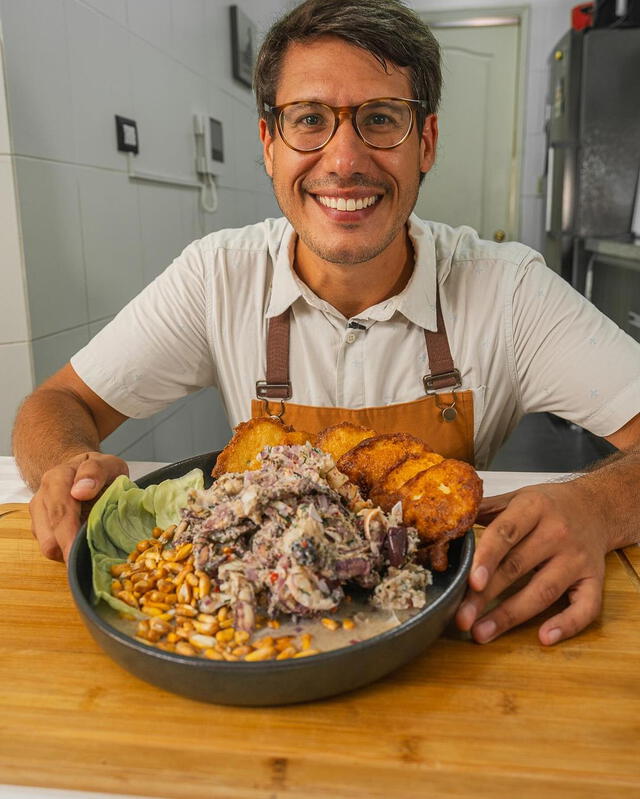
pixel 382 123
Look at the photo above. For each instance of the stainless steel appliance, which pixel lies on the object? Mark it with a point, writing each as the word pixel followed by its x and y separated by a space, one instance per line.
pixel 593 145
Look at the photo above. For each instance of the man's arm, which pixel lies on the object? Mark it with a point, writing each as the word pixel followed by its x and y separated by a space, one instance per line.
pixel 56 442
pixel 559 533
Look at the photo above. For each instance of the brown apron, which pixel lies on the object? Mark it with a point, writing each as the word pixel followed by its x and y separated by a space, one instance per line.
pixel 444 420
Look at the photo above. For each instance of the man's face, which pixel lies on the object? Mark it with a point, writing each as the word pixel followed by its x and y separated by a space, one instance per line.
pixel 331 71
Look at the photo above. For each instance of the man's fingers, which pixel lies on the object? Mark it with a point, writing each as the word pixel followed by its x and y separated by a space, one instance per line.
pixel 586 601
pixel 505 531
pixel 93 473
pixel 490 507
pixel 42 530
pixel 544 588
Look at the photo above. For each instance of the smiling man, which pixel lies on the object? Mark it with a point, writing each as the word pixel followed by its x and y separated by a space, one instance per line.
pixel 351 308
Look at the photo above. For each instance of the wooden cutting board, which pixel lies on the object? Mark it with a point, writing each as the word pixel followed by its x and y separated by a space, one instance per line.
pixel 510 719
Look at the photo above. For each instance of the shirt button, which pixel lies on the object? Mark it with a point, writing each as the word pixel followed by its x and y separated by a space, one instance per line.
pixel 351 337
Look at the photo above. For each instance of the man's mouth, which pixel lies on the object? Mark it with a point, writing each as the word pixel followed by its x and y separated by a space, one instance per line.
pixel 347 203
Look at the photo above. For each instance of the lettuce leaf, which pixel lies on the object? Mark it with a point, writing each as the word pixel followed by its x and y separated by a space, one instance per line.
pixel 126 514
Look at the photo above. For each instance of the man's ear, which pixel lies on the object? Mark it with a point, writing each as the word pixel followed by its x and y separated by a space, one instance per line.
pixel 428 143
pixel 267 146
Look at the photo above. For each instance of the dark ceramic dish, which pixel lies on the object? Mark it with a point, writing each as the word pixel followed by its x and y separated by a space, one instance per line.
pixel 270 682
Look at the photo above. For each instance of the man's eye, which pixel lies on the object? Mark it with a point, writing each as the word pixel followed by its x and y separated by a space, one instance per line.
pixel 380 120
pixel 310 121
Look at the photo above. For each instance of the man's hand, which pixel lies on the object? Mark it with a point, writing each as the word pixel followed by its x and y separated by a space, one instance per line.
pixel 553 532
pixel 56 507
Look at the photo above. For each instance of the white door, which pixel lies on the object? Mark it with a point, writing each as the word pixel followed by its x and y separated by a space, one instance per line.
pixel 473 181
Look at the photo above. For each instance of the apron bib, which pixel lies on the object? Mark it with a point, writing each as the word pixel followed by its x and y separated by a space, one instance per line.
pixel 442 419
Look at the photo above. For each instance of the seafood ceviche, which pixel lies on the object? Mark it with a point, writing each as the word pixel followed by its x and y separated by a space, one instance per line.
pixel 287 537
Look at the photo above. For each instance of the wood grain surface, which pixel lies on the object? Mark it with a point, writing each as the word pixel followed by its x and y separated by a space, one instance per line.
pixel 510 719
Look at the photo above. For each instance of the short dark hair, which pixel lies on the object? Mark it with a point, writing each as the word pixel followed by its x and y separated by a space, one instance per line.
pixel 387 29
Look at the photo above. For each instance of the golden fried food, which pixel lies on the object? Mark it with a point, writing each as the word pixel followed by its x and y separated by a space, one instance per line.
pixel 382 492
pixel 250 438
pixel 441 502
pixel 339 438
pixel 369 460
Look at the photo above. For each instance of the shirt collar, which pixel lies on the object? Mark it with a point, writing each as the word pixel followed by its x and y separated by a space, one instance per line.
pixel 417 301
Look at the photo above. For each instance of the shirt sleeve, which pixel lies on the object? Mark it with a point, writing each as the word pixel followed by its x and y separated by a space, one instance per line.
pixel 155 350
pixel 570 359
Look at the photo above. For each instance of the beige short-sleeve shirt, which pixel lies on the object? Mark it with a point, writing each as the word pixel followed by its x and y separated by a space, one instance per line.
pixel 521 337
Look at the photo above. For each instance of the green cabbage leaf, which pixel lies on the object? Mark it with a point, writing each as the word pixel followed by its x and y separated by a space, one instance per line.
pixel 126 514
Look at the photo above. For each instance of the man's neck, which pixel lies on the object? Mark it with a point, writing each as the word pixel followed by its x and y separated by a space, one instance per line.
pixel 351 288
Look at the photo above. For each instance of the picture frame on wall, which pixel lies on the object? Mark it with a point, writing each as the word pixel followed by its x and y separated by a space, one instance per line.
pixel 243 45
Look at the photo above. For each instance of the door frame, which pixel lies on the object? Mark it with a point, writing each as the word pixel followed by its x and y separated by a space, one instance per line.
pixel 492 16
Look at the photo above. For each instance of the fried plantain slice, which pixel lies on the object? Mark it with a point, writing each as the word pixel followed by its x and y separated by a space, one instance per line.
pixel 250 438
pixel 341 437
pixel 369 460
pixel 382 492
pixel 441 502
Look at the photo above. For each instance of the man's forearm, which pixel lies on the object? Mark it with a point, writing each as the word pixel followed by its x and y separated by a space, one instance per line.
pixel 52 425
pixel 612 489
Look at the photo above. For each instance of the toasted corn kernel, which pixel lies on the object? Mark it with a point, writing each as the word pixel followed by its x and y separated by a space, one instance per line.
pixel 118 569
pixel 306 653
pixel 223 613
pixel 184 594
pixel 183 551
pixel 266 641
pixel 224 636
pixel 166 646
pixel 330 624
pixel 128 598
pixel 116 585
pixel 206 627
pixel 143 628
pixel 305 641
pixel 202 641
pixel 287 653
pixel 213 654
pixel 150 611
pixel 226 623
pixel 241 651
pixel 156 532
pixel 173 567
pixel 241 637
pixel 207 618
pixel 184 648
pixel 166 586
pixel 229 656
pixel 128 585
pixel 282 643
pixel 265 653
pixel 192 579
pixel 160 605
pixel 274 624
pixel 186 610
pixel 348 624
pixel 159 626
pixel 172 638
pixel 204 584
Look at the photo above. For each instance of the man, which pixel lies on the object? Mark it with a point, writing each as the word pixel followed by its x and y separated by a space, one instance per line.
pixel 394 322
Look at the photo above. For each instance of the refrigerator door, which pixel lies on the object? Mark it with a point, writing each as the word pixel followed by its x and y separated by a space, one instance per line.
pixel 609 153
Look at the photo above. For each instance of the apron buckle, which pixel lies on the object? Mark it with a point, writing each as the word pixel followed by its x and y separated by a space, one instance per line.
pixel 450 380
pixel 266 390
pixel 433 383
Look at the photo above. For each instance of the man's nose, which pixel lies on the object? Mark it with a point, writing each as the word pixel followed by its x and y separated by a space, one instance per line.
pixel 346 152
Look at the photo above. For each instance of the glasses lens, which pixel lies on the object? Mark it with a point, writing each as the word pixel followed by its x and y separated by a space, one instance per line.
pixel 384 123
pixel 307 126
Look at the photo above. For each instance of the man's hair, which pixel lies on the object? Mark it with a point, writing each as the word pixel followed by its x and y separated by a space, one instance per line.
pixel 387 29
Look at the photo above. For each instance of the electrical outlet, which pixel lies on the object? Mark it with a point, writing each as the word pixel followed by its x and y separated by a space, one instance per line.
pixel 127 135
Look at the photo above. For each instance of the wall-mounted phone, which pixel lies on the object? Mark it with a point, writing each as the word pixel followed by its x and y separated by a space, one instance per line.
pixel 209 157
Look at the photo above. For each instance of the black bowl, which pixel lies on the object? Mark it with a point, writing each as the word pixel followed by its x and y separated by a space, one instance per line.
pixel 270 682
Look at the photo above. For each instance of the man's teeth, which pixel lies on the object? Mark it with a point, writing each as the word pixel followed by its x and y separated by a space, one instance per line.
pixel 340 204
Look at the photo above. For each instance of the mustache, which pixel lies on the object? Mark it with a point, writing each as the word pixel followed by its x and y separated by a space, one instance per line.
pixel 356 180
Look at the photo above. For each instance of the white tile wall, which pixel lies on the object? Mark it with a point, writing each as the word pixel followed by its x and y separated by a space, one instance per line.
pixel 5 139
pixel 14 321
pixel 50 220
pixel 116 9
pixel 209 426
pixel 52 352
pixel 173 439
pixel 151 20
pixel 189 35
pixel 111 240
pixel 38 78
pixel 17 382
pixel 161 226
pixel 100 84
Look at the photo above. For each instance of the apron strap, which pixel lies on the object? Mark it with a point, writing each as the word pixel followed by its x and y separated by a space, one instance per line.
pixel 277 386
pixel 443 373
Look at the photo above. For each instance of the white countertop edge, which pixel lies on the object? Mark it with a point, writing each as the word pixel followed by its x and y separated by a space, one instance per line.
pixel 24 792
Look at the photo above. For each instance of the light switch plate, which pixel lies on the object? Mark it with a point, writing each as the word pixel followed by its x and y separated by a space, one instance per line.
pixel 127 135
